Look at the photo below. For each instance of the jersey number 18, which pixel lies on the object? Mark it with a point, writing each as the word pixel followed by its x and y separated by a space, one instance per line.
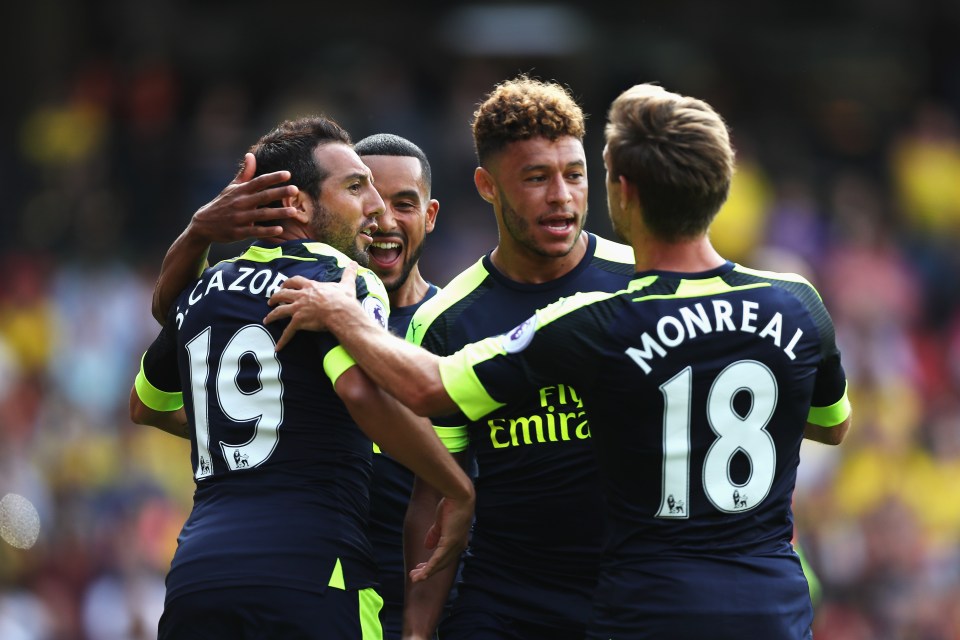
pixel 745 434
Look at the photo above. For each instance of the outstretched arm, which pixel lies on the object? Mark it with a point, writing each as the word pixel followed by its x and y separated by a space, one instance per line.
pixel 233 215
pixel 405 370
pixel 413 443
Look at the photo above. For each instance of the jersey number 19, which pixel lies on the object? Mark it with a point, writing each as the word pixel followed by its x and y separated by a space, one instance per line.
pixel 264 405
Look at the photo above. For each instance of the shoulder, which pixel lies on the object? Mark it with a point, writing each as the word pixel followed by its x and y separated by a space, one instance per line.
pixel 802 290
pixel 370 289
pixel 460 288
pixel 332 262
pixel 575 303
pixel 614 257
pixel 792 282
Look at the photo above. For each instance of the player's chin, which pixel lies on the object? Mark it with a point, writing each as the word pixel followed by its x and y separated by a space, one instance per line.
pixel 361 257
pixel 557 246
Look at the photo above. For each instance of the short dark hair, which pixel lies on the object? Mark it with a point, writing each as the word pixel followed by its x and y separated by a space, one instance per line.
pixel 388 144
pixel 290 147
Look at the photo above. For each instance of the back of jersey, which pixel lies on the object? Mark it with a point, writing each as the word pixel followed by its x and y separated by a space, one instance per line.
pixel 698 414
pixel 282 470
pixel 699 387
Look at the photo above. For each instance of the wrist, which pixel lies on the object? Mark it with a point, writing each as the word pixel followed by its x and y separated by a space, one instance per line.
pixel 195 236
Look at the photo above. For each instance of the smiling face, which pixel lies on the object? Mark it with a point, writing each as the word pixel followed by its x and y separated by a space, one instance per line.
pixel 345 214
pixel 408 217
pixel 539 190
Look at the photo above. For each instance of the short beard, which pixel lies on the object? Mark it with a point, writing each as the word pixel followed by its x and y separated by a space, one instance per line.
pixel 324 228
pixel 408 266
pixel 519 230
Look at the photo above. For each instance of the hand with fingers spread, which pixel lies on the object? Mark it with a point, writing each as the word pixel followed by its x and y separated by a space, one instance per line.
pixel 310 304
pixel 237 213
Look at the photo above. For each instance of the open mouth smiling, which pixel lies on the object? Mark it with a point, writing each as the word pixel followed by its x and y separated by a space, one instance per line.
pixel 385 252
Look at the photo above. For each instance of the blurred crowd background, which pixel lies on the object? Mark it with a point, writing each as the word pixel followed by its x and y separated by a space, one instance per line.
pixel 120 118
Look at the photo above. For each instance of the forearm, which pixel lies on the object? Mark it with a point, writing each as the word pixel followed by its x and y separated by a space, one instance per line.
pixel 184 260
pixel 407 371
pixel 424 601
pixel 408 438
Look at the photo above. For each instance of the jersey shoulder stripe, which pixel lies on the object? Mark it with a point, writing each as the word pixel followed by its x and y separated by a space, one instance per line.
pixel 374 286
pixel 458 373
pixel 329 265
pixel 449 301
pixel 614 257
pixel 257 253
pixel 654 287
pixel 805 292
pixel 569 304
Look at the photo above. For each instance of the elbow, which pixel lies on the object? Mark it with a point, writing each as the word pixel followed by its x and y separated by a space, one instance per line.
pixel 138 411
pixel 137 415
pixel 827 435
pixel 838 433
pixel 157 308
pixel 429 399
pixel 157 314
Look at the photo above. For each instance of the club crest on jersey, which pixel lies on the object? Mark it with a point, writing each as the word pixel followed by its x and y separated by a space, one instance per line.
pixel 374 307
pixel 519 337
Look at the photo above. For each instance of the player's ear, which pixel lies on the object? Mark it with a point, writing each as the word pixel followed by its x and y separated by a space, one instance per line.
pixel 300 201
pixel 484 181
pixel 430 215
pixel 627 192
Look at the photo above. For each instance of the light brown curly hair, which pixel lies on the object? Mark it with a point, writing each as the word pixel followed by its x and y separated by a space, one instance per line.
pixel 677 151
pixel 524 108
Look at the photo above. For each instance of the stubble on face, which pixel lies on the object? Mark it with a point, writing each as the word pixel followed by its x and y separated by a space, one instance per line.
pixel 408 264
pixel 340 234
pixel 522 231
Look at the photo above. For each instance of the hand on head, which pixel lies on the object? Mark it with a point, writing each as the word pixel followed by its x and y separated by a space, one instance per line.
pixel 236 212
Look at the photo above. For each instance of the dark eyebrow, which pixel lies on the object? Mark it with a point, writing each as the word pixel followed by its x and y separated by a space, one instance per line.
pixel 363 177
pixel 407 193
pixel 542 167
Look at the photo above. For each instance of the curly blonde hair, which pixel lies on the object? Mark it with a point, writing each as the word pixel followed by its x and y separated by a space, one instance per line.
pixel 524 108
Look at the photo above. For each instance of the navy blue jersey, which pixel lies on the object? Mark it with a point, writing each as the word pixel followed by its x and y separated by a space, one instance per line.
pixel 282 471
pixel 535 547
pixel 699 387
pixel 390 495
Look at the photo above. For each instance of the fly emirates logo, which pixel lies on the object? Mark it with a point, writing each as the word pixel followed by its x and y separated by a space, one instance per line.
pixel 561 418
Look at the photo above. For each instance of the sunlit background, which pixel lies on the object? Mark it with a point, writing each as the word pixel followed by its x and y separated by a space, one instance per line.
pixel 120 118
